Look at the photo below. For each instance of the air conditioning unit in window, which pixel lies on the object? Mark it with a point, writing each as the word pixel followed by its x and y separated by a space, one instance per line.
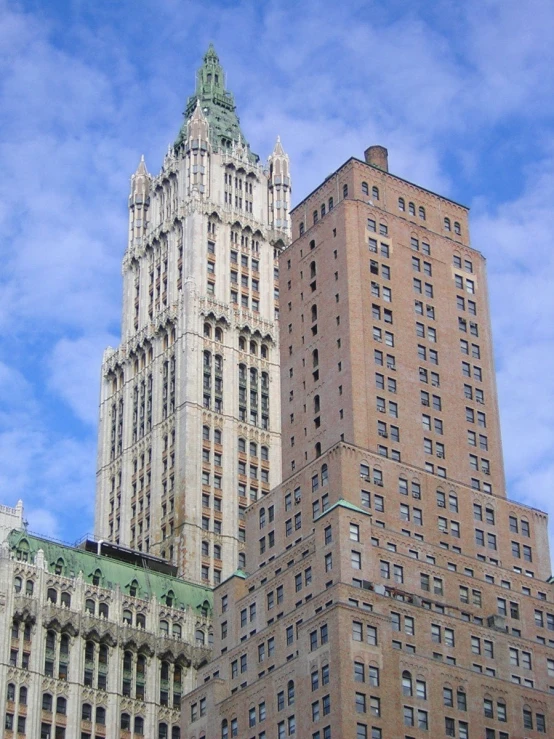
pixel 497 622
pixel 381 410
pixel 383 434
pixel 379 483
pixel 434 383
pixel 391 367
pixel 487 472
pixel 440 455
pixel 425 402
pixel 478 400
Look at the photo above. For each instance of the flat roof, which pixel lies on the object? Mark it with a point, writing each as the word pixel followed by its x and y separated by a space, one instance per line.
pixel 396 177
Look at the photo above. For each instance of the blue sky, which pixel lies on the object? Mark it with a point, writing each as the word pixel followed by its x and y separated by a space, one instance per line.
pixel 460 93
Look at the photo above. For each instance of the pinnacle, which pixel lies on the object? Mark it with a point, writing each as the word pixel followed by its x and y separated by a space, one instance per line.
pixel 211 54
pixel 141 169
pixel 278 147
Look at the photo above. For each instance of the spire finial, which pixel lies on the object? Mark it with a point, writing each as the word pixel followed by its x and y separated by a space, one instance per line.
pixel 278 147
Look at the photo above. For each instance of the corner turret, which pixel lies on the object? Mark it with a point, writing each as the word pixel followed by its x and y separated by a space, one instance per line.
pixel 139 202
pixel 279 189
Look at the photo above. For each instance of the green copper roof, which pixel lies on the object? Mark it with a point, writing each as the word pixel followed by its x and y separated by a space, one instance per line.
pixel 342 503
pixel 70 561
pixel 218 106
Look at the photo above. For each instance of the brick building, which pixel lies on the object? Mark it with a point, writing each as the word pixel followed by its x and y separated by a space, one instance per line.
pixel 391 589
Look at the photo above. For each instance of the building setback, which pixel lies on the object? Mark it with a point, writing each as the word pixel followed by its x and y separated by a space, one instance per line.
pixel 391 589
pixel 189 415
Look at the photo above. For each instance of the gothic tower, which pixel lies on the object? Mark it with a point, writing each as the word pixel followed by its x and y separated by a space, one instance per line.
pixel 189 414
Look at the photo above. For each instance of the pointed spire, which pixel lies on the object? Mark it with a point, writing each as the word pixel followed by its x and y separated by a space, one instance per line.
pixel 278 149
pixel 141 169
pixel 211 54
pixel 217 107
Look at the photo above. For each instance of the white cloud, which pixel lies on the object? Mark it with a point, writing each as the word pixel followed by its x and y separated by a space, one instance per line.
pixel 451 89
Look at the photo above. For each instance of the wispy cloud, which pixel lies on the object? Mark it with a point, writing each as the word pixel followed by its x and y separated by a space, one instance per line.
pixel 460 93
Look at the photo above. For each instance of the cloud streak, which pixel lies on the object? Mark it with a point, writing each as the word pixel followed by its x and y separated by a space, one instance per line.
pixel 461 94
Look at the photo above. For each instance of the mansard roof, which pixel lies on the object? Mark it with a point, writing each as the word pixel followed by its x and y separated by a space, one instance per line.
pixel 116 566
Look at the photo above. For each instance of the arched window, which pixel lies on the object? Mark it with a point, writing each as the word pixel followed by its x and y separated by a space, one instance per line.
pixel 315 216
pixel 97 577
pixel 23 695
pixel 170 598
pixel 218 334
pixel 127 660
pixel 411 209
pixel 461 700
pixel 264 351
pixel 262 517
pixel 29 587
pixel 141 621
pixel 324 474
pixel 253 347
pixel 90 606
pixel 125 722
pixel 86 712
pixel 205 548
pixel 421 211
pixel 162 731
pixel 314 313
pixel 253 449
pixel 61 705
pixel 47 702
pixel 224 729
pixel 207 359
pixel 365 188
pixel 242 445
pixel 406 683
pixel 322 209
pixel 200 637
pixel 133 588
pixel 318 449
pixel 164 627
pixel 10 692
pixel 457 229
pixel 315 358
pixel 100 716
pixel 316 404
pixel 313 269
pixel 447 226
pixel 345 191
pixel 401 204
pixel 103 654
pixel 375 192
pixel 301 228
pixel 207 330
pixel 175 733
pixel 242 560
pixel 290 692
pixel 58 567
pixel 127 617
pixel 64 645
pixel 264 453
pixel 330 204
pixel 242 343
pixel 66 599
pixel 139 725
pixel 104 610
pixel 18 583
pixel 50 639
pixel 52 595
pixel 176 631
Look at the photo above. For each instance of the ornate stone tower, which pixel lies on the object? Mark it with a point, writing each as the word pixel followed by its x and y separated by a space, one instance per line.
pixel 189 414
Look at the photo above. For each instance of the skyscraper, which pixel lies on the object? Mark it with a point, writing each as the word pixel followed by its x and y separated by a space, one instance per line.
pixel 391 587
pixel 189 411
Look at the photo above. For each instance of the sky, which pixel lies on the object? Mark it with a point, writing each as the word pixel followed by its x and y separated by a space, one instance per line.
pixel 461 94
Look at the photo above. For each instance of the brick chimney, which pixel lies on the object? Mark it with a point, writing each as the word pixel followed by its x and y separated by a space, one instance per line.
pixel 378 157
